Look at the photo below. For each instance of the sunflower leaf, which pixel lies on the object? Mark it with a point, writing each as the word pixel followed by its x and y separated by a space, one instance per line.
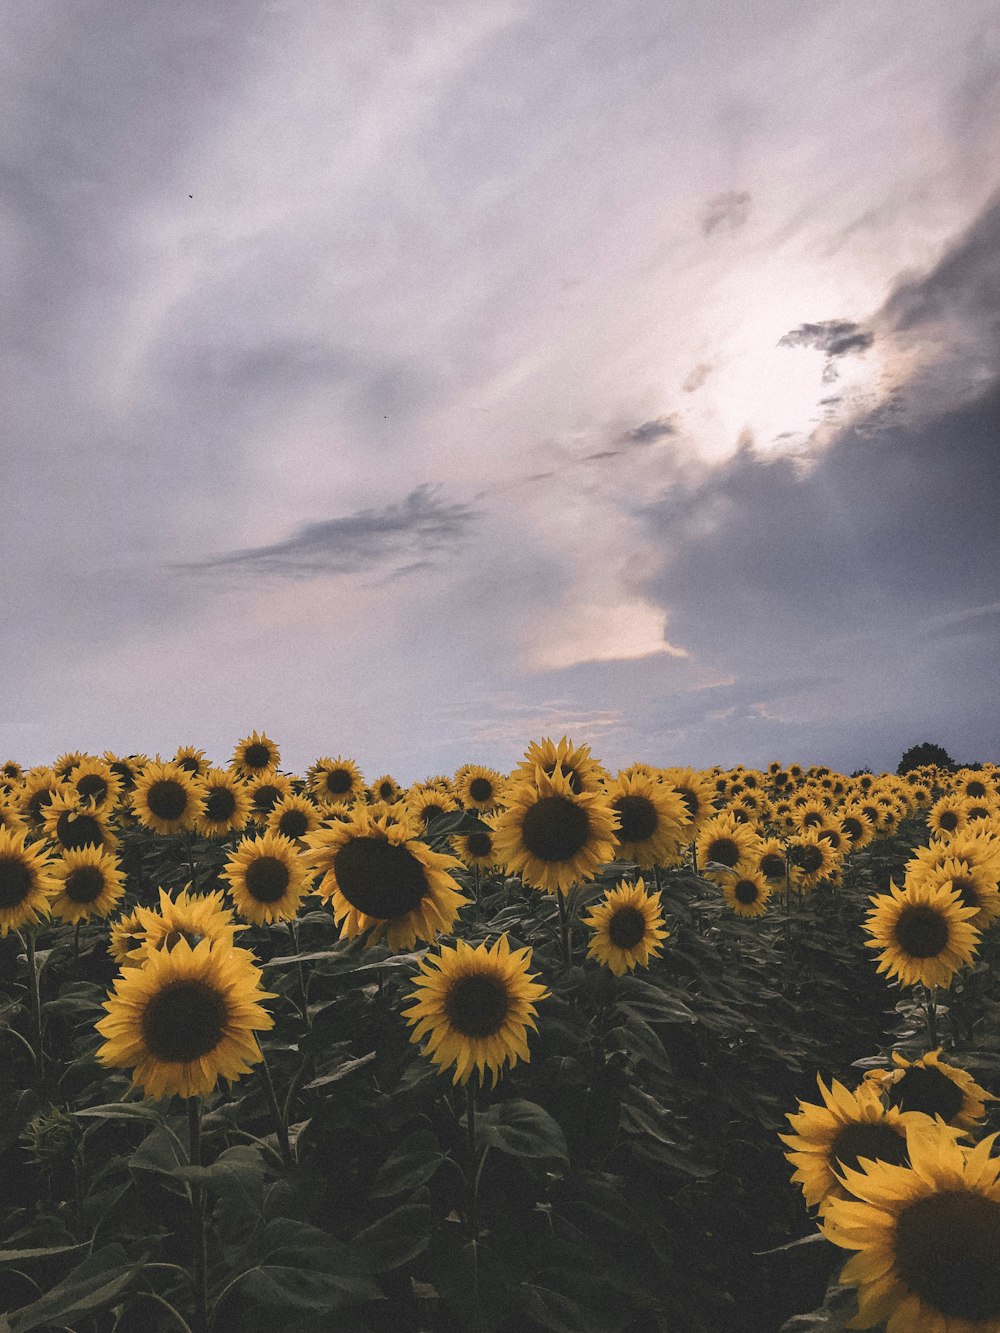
pixel 92 1286
pixel 521 1129
pixel 396 1238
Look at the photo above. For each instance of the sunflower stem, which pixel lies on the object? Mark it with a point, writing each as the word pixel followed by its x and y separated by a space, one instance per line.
pixel 302 972
pixel 280 1124
pixel 34 990
pixel 192 863
pixel 930 1010
pixel 198 1234
pixel 76 942
pixel 564 931
pixel 475 891
pixel 470 1141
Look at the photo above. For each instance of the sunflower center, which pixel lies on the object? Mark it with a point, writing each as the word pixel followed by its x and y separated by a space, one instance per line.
pixel 966 890
pixel 852 828
pixel 189 764
pixel 75 830
pixel 256 756
pixel 690 800
pixel 220 805
pixel 638 818
pixel 167 799
pixel 555 828
pixel 174 937
pixel 479 844
pixel 947 1249
pixel 125 773
pixel 868 1139
pixel 724 851
pixel 921 932
pixel 811 818
pixel 386 790
pixel 339 781
pixel 627 928
pixel 379 878
pixel 807 858
pixel 772 866
pixel 480 789
pixel 923 1088
pixel 184 1021
pixel 16 881
pixel 266 797
pixel 430 812
pixel 84 884
pixel 831 836
pixel 746 891
pixel 975 789
pixel 477 1005
pixel 293 823
pixel 267 878
pixel 38 803
pixel 92 786
pixel 948 820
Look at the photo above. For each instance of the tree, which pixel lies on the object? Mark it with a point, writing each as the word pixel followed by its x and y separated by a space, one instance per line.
pixel 924 753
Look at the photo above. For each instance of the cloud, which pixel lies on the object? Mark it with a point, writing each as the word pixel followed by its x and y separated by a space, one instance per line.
pixel 835 337
pixel 697 377
pixel 650 431
pixel 368 540
pixel 730 210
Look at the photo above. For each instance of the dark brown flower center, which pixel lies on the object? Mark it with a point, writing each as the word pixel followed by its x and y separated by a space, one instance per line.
pixel 690 800
pixel 184 1021
pixel 477 1005
pixel 39 802
pixel 257 756
pixel 339 781
pixel 921 932
pixel 479 844
pixel 75 830
pixel 853 828
pixel 926 1089
pixel 167 799
pixel 84 884
pixel 481 789
pixel 724 851
pixel 746 891
pixel 92 787
pixel 947 1249
pixel 267 878
pixel 948 820
pixel 638 816
pixel 190 764
pixel 380 878
pixel 386 791
pixel 966 890
pixel 873 1139
pixel 627 928
pixel 807 857
pixel 772 866
pixel 555 828
pixel 16 881
pixel 293 823
pixel 975 789
pixel 220 805
pixel 266 797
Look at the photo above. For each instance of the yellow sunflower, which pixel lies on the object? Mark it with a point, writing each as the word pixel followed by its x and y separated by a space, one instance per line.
pixel 974 886
pixel 474 1008
pixel 386 788
pixel 947 815
pixel 267 878
pixel 168 798
pixel 65 764
pixel 725 846
pixel 770 862
pixel 653 821
pixel 255 755
pixel 972 784
pixel 583 773
pixel 933 1087
pixel 382 882
pixel 95 785
pixel 475 850
pixel 265 791
pixel 89 882
pixel 26 883
pixel 927 1236
pixel 836 1134
pixel 227 804
pixel 975 848
pixel 193 760
pixel 72 825
pixel 425 803
pixel 696 791
pixel 479 788
pixel 856 827
pixel 812 859
pixel 11 773
pixel 923 934
pixel 126 939
pixel 294 817
pixel 185 1019
pixel 125 769
pixel 552 836
pixel 747 894
pixel 628 928
pixel 41 787
pixel 184 919
pixel 10 816
pixel 335 782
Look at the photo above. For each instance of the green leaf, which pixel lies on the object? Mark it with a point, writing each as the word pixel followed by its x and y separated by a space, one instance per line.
pixel 20 1256
pixel 237 1175
pixel 552 1310
pixel 521 1129
pixel 396 1238
pixel 412 1164
pixel 348 1067
pixel 162 1152
pixel 294 1265
pixel 147 1111
pixel 92 1286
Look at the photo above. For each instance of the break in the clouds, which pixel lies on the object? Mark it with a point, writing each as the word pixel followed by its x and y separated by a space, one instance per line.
pixel 406 381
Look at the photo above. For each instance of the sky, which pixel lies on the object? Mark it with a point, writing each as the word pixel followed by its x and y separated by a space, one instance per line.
pixel 412 382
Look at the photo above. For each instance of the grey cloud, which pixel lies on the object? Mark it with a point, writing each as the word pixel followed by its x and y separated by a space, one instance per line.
pixel 369 540
pixel 730 210
pixel 835 337
pixel 650 431
pixel 697 377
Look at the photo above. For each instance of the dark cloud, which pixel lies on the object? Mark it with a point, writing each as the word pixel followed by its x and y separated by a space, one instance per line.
pixel 729 210
pixel 835 337
pixel 650 431
pixel 369 540
pixel 697 377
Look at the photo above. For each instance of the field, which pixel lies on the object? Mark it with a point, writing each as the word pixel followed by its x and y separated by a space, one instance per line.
pixel 653 1052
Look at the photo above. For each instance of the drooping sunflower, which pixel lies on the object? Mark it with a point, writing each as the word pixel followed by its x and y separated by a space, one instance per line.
pixel 474 1008
pixel 265 791
pixel 934 1087
pixel 628 928
pixel 923 934
pixel 185 1019
pixel 583 773
pixel 826 1138
pixel 653 821
pixel 927 1236
pixel 255 755
pixel 552 836
pixel 168 798
pixel 479 788
pixel 696 791
pixel 294 817
pixel 227 804
pixel 384 883
pixel 267 878
pixel 336 782
pixel 26 883
pixel 73 825
pixel 94 784
pixel 184 919
pixel 89 883
pixel 724 845
pixel 747 894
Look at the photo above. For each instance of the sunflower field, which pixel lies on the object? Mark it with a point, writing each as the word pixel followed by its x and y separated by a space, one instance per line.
pixel 667 1051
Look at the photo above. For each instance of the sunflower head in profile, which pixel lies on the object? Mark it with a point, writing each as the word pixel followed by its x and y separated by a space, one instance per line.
pixel 168 798
pixel 336 782
pixel 227 804
pixel 267 878
pixel 40 788
pixel 627 928
pixel 583 772
pixel 265 792
pixel 185 1019
pixel 184 919
pixel 89 883
pixel 726 847
pixel 126 940
pixel 11 774
pixel 748 894
pixel 551 836
pixel 933 1087
pixel 94 784
pixel 653 820
pixel 72 825
pixel 294 817
pixel 255 754
pixel 829 1136
pixel 26 883
pixel 927 1236
pixel 923 934
pixel 479 788
pixel 697 790
pixel 473 1008
pixel 382 882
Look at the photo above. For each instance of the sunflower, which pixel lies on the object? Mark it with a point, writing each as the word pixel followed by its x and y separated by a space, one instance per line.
pixel 267 878
pixel 336 782
pixel 386 788
pixel 972 784
pixel 552 836
pixel 26 883
pixel 10 815
pixel 933 1087
pixel 294 817
pixel 383 882
pixel 923 933
pixel 812 859
pixel 927 1236
pixel 168 798
pixel 856 827
pixel 41 787
pixel 185 1019
pixel 127 769
pixel 627 927
pixel 696 791
pixel 94 784
pixel 184 919
pixel 770 863
pixel 977 849
pixel 652 821
pixel 974 886
pixel 227 804
pixel 475 850
pixel 812 814
pixel 947 815
pixel 474 1007
pixel 583 773
pixel 65 764
pixel 255 755
pixel 747 894
pixel 11 773
pixel 725 845
pixel 89 882
pixel 479 788
pixel 847 1126
pixel 72 825
pixel 425 803
pixel 265 791
pixel 126 939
